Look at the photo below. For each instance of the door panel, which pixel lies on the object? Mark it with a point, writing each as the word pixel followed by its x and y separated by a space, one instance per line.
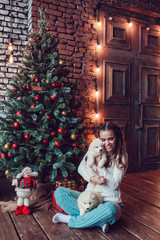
pixel 117 34
pixel 117 82
pixel 150 79
pixel 150 41
pixel 129 85
pixel 149 143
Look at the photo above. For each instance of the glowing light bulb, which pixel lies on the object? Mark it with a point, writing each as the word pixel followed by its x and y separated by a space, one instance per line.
pixel 10 47
pixel 98 69
pixel 99 24
pixel 11 59
pixel 147 28
pixel 110 18
pixel 99 46
pixel 97 93
pixel 97 115
pixel 130 24
pixel 60 62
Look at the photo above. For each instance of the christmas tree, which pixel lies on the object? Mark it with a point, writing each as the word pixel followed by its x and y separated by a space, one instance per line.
pixel 39 127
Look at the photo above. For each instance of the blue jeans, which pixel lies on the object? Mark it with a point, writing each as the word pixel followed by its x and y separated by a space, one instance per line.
pixel 107 212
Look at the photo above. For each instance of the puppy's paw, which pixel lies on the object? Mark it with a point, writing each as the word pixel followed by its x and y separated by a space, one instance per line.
pixel 82 212
pixel 100 164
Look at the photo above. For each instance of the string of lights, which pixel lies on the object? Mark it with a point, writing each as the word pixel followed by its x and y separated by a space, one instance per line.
pixel 10 45
pixel 97 64
pixel 99 47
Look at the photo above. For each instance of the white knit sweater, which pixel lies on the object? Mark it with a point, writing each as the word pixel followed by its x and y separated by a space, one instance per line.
pixel 110 190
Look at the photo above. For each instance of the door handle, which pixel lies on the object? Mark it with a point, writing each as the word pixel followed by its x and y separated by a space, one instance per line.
pixel 141 117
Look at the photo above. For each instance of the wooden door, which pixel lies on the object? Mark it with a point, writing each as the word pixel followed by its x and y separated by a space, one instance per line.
pixel 129 84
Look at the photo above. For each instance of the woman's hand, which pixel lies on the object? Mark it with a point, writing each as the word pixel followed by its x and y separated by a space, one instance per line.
pixel 98 179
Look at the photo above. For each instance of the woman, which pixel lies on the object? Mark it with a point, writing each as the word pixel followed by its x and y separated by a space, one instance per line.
pixel 110 211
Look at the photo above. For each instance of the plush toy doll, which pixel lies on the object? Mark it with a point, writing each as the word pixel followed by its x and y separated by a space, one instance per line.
pixel 24 184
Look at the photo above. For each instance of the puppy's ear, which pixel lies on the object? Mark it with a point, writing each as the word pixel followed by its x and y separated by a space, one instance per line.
pixel 93 196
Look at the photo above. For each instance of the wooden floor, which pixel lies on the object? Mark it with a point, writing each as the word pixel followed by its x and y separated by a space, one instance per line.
pixel 141 218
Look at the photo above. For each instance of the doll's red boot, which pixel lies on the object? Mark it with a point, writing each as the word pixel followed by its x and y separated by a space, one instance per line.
pixel 26 210
pixel 19 210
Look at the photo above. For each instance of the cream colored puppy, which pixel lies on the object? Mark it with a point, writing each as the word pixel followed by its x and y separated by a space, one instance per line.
pixel 95 149
pixel 88 200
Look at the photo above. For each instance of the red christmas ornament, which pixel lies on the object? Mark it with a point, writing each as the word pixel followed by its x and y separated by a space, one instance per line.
pixel 19 112
pixel 48 117
pixel 64 131
pixel 15 89
pixel 14 176
pixel 26 136
pixel 45 141
pixel 28 88
pixel 52 97
pixel 43 53
pixel 3 155
pixel 54 85
pixel 14 145
pixel 74 110
pixel 21 71
pixel 60 130
pixel 59 84
pixel 37 38
pixel 36 80
pixel 32 106
pixel 16 125
pixel 9 154
pixel 36 98
pixel 57 144
pixel 24 86
pixel 31 48
pixel 74 144
pixel 53 134
pixel 48 29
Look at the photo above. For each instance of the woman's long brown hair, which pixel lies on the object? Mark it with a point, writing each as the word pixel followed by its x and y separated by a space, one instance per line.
pixel 120 147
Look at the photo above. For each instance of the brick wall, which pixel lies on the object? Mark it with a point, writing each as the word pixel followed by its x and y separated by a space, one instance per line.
pixel 14 24
pixel 74 23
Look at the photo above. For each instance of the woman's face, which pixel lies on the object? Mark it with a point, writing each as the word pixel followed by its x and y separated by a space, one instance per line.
pixel 109 139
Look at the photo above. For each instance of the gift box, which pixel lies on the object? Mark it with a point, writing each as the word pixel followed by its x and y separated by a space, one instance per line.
pixel 68 184
pixel 62 183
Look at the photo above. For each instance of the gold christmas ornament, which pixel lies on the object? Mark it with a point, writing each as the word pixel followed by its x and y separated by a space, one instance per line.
pixel 6 172
pixel 64 113
pixel 47 81
pixel 6 146
pixel 60 62
pixel 42 164
pixel 73 136
pixel 19 98
pixel 34 75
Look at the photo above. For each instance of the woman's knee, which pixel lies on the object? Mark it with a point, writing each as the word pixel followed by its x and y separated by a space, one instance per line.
pixel 112 209
pixel 109 208
pixel 59 192
pixel 114 212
